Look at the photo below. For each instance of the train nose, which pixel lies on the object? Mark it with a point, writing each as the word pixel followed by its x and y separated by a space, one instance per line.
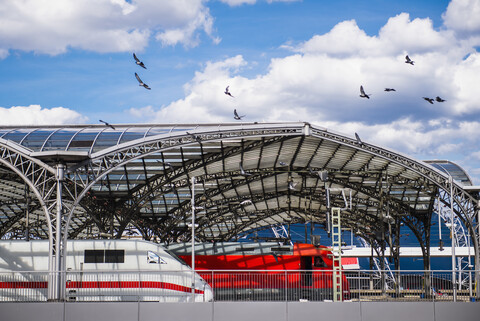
pixel 208 293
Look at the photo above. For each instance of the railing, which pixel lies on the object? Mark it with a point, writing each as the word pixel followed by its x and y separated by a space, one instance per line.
pixel 160 286
pixel 174 286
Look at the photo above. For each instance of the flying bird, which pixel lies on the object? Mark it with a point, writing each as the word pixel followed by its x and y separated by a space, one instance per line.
pixel 440 100
pixel 363 94
pixel 292 185
pixel 245 202
pixel 227 92
pixel 408 60
pixel 390 89
pixel 243 172
pixel 196 137
pixel 430 100
pixel 359 141
pixel 107 124
pixel 138 62
pixel 141 83
pixel 283 164
pixel 235 115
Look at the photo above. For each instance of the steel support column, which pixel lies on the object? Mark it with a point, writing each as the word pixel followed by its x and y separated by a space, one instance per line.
pixel 56 284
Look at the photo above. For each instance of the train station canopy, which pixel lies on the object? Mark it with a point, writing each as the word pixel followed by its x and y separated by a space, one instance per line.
pixel 115 181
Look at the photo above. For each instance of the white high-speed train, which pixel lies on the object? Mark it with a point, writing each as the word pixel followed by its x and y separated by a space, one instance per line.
pixel 100 270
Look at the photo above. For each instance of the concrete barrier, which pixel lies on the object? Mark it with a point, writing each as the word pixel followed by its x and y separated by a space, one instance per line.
pixel 241 311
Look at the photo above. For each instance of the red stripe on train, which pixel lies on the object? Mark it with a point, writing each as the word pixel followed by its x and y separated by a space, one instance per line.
pixel 102 285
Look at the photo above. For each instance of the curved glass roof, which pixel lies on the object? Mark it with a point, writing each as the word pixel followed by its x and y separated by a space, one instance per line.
pixel 83 138
pixel 268 177
pixel 458 173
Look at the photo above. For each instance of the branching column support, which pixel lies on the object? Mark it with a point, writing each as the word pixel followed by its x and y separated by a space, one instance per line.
pixel 56 286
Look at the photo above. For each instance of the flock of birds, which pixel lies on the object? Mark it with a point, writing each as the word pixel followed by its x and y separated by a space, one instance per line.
pixel 236 116
pixel 411 62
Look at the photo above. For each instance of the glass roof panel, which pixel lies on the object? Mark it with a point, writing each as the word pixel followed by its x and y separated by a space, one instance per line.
pixel 17 135
pixel 158 131
pixel 106 139
pixel 60 139
pixel 36 139
pixel 84 140
pixel 453 169
pixel 132 134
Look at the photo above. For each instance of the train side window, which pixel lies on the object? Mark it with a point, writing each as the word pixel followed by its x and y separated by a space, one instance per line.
pixel 93 256
pixel 153 258
pixel 114 256
pixel 318 262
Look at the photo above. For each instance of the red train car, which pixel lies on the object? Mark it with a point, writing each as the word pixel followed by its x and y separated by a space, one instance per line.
pixel 266 270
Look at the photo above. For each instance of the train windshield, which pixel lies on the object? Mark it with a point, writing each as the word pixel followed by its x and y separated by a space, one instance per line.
pixel 154 258
pixel 176 257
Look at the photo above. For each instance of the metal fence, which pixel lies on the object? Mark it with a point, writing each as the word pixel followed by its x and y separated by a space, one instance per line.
pixel 161 286
pixel 175 286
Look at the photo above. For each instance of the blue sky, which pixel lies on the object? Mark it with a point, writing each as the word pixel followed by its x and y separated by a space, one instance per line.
pixel 67 61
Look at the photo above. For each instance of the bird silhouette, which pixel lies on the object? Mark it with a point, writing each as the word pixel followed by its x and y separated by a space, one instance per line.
pixel 283 164
pixel 292 185
pixel 389 89
pixel 243 172
pixel 138 62
pixel 227 92
pixel 107 124
pixel 235 115
pixel 245 202
pixel 141 83
pixel 440 100
pixel 408 60
pixel 359 141
pixel 363 94
pixel 430 100
pixel 196 137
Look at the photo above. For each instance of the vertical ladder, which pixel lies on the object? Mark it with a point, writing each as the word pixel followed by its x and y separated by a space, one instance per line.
pixel 337 255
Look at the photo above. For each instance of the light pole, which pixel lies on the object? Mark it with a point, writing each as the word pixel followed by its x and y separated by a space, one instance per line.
pixel 193 238
pixel 452 228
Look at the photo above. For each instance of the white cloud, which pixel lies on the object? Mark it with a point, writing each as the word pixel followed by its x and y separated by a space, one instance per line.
pixel 400 34
pixel 36 115
pixel 53 26
pixel 463 16
pixel 319 82
pixel 143 113
pixel 188 34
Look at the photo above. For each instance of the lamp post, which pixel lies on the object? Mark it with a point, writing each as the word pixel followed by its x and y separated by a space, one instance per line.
pixel 193 238
pixel 452 228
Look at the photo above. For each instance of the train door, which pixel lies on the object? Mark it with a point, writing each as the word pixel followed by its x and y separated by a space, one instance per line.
pixel 306 266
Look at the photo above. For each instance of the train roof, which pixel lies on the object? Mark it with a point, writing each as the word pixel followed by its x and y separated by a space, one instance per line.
pixel 248 248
